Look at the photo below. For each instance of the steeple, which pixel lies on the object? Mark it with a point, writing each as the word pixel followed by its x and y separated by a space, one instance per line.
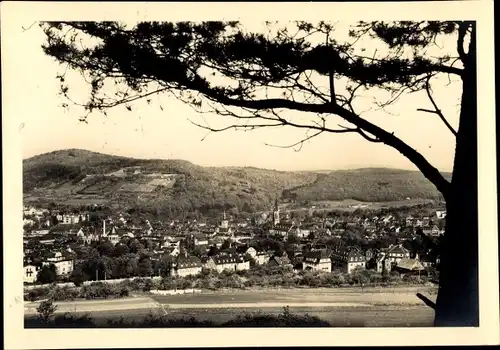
pixel 276 213
pixel 224 223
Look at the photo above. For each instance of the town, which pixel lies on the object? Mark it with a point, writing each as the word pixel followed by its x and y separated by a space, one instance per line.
pixel 95 244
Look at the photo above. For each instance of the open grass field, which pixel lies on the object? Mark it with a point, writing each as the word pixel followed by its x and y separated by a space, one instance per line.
pixel 351 205
pixel 285 296
pixel 372 307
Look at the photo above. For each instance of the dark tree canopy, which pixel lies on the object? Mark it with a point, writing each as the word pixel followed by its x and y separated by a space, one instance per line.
pixel 256 80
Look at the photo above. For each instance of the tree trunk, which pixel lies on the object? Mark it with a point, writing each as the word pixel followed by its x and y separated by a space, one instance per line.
pixel 458 301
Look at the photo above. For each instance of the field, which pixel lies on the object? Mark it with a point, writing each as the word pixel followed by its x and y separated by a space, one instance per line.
pixel 372 307
pixel 351 205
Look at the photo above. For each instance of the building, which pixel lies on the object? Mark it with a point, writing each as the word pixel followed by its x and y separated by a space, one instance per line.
pixel 224 227
pixel 280 261
pixel 283 229
pixel 379 263
pixel 276 213
pixel 409 266
pixel 31 211
pixel 64 266
pixel 262 257
pixel 395 253
pixel 347 259
pixel 70 219
pixel 30 273
pixel 28 222
pixel 441 214
pixel 227 262
pixel 186 265
pixel 113 237
pixel 317 260
pixel 410 221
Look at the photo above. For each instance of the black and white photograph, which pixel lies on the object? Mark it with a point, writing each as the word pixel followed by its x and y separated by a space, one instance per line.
pixel 203 166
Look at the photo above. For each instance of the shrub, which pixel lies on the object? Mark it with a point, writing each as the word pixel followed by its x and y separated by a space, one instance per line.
pixel 36 294
pixel 46 310
pixel 68 320
pixel 62 293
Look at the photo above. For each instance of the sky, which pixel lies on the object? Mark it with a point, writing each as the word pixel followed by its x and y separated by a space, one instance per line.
pixel 149 132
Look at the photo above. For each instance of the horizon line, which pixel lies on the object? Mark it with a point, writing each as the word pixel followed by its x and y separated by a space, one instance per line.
pixel 233 166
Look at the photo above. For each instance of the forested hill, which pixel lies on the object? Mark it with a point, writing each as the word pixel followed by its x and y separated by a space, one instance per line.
pixel 77 177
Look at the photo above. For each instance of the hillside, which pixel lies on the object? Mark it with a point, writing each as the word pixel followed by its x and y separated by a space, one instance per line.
pixel 367 185
pixel 77 177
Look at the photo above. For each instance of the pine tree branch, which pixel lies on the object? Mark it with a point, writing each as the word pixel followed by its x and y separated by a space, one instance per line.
pixel 436 108
pixel 384 136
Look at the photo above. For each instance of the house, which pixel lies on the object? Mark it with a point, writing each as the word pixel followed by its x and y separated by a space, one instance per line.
pixel 227 262
pixel 369 227
pixel 199 239
pixel 347 259
pixel 435 231
pixel 251 251
pixel 64 266
pixel 426 230
pixel 388 219
pixel 322 232
pixel 70 219
pixel 426 221
pixel 280 261
pixel 409 221
pixel 28 222
pixel 282 229
pixel 379 263
pixel 441 214
pixel 303 232
pixel 317 260
pixel 39 233
pixel 55 257
pixel 351 224
pixel 243 237
pixel 113 237
pixel 369 253
pixel 409 266
pixel 172 251
pixel 395 253
pixel 262 257
pixel 186 265
pixel 86 237
pixel 34 211
pixel 30 273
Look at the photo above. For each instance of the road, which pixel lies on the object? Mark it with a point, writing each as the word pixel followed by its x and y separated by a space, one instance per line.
pixel 339 307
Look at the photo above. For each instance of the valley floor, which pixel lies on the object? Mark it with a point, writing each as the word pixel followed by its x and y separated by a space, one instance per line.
pixel 392 307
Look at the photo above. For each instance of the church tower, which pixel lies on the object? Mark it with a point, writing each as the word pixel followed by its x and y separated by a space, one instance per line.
pixel 224 223
pixel 276 213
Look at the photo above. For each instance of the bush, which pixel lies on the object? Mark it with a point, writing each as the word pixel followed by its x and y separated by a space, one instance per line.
pixel 46 310
pixel 36 294
pixel 68 320
pixel 258 319
pixel 62 293
pixel 97 290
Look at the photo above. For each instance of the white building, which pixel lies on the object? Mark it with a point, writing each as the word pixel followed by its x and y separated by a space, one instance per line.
pixel 63 265
pixel 30 273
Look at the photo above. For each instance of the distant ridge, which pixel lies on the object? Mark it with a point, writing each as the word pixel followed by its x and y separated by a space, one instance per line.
pixel 76 176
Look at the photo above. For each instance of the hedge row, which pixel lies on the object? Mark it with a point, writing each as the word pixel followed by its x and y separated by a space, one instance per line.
pixel 211 280
pixel 285 319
